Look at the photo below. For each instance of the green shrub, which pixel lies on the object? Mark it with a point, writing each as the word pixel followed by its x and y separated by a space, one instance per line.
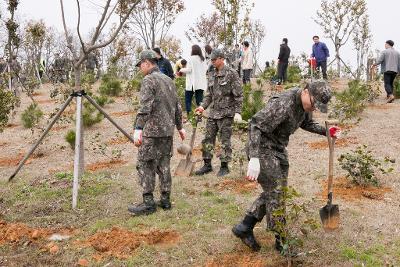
pixel 294 74
pixel 31 116
pixel 7 103
pixel 362 166
pixel 88 77
pixel 70 138
pixel 253 101
pixel 90 115
pixel 180 83
pixel 102 100
pixel 349 103
pixel 110 85
pixel 292 220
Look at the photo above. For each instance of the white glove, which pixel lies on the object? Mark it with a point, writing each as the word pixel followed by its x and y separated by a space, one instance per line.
pixel 182 134
pixel 253 169
pixel 237 118
pixel 138 137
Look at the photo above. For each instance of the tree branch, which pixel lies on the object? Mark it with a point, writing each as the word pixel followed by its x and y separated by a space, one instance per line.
pixel 78 26
pixel 100 24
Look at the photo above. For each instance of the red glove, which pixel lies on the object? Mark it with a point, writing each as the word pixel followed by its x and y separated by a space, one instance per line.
pixel 334 131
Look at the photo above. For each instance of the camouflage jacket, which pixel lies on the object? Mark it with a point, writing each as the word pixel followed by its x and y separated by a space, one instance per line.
pixel 224 95
pixel 160 109
pixel 271 127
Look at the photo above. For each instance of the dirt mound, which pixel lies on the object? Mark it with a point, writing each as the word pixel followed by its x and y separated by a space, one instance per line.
pixel 12 161
pixel 19 232
pixel 122 113
pixel 345 189
pixel 118 140
pixel 121 243
pixel 105 165
pixel 342 142
pixel 243 259
pixel 240 186
pixel 59 127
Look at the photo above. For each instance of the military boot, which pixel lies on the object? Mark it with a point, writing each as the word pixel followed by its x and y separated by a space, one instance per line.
pixel 224 170
pixel 206 168
pixel 147 207
pixel 244 231
pixel 165 201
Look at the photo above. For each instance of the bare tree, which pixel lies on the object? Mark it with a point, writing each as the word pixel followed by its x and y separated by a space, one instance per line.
pixel 338 19
pixel 207 30
pixel 33 42
pixel 234 14
pixel 124 9
pixel 152 19
pixel 362 39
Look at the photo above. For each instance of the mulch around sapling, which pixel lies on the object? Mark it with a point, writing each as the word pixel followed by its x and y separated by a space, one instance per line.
pixel 346 189
pixel 19 234
pixel 244 257
pixel 12 161
pixel 240 186
pixel 121 243
pixel 105 165
pixel 342 142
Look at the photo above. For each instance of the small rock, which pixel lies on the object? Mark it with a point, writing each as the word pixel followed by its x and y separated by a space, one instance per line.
pixel 83 262
pixel 35 234
pixel 54 249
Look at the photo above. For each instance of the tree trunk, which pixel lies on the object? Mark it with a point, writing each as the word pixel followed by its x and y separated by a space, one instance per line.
pixel 338 62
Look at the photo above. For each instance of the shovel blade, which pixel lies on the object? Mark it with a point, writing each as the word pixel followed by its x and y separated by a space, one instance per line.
pixel 185 168
pixel 330 217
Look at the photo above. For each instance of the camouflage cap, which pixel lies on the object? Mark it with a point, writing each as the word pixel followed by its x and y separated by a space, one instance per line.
pixel 145 54
pixel 216 53
pixel 322 94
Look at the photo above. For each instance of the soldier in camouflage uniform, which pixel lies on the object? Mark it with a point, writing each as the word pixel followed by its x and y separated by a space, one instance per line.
pixel 224 97
pixel 159 113
pixel 269 132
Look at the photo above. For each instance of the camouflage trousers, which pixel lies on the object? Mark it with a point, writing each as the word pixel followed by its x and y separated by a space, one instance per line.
pixel 224 127
pixel 154 158
pixel 274 168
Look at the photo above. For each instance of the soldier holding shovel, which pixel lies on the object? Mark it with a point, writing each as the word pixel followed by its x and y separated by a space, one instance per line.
pixel 269 132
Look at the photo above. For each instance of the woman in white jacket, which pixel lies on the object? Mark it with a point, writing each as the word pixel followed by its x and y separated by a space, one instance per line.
pixel 247 62
pixel 196 79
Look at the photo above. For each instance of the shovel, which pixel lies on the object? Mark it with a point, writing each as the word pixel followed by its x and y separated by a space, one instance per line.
pixel 186 166
pixel 330 213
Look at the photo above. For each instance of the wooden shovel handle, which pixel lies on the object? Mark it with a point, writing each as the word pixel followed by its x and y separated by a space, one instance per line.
pixel 331 143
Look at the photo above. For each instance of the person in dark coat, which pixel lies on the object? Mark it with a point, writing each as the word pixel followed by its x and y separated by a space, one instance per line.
pixel 283 61
pixel 163 64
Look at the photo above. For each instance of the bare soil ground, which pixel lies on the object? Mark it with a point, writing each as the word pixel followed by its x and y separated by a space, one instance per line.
pixel 197 231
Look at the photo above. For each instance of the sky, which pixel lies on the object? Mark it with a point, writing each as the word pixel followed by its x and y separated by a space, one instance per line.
pixel 286 18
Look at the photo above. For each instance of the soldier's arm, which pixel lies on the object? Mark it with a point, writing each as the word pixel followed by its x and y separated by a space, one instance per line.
pixel 146 103
pixel 207 98
pixel 178 116
pixel 237 91
pixel 265 121
pixel 312 126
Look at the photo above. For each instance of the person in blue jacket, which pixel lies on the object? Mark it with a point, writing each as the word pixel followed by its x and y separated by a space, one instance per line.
pixel 321 53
